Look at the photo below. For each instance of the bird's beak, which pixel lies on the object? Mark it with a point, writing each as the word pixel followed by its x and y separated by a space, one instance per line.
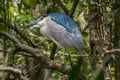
pixel 33 23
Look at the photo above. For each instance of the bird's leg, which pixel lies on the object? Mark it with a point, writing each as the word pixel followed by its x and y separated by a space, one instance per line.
pixel 64 49
pixel 70 60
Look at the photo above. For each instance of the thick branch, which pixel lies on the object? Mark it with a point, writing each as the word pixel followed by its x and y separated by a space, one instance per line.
pixel 46 62
pixel 15 41
pixel 14 71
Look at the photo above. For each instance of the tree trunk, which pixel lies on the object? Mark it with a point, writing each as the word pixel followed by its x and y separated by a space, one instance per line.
pixel 117 38
pixel 95 35
pixel 96 40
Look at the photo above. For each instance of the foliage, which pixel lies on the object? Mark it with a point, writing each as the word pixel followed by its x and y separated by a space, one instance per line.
pixel 86 13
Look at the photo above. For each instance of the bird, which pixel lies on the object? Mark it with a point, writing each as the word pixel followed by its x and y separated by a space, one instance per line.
pixel 60 28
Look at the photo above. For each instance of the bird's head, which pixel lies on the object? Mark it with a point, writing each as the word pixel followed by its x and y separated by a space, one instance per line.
pixel 40 21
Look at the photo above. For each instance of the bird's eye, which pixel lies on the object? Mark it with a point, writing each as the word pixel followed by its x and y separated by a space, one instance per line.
pixel 41 18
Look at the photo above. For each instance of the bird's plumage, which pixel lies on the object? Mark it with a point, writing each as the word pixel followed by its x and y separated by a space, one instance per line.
pixel 64 20
pixel 62 30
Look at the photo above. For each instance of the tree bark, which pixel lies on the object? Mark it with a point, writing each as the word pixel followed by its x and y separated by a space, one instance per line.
pixel 95 37
pixel 117 38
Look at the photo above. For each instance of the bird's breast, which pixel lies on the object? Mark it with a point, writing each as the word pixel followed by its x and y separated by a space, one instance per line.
pixel 44 31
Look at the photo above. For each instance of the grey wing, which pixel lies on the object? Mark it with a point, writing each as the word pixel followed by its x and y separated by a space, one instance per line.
pixel 63 38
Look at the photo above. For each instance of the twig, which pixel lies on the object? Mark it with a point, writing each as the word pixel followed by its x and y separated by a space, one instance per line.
pixel 4 51
pixel 112 51
pixel 33 68
pixel 68 12
pixel 14 71
pixel 11 56
pixel 62 6
pixel 75 3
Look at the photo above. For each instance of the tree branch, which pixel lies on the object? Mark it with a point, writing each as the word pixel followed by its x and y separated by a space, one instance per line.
pixel 75 3
pixel 112 51
pixel 15 41
pixel 68 12
pixel 17 30
pixel 4 51
pixel 11 56
pixel 46 62
pixel 62 6
pixel 14 71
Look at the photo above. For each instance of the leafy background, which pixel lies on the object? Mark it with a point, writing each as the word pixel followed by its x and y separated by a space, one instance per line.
pixel 98 22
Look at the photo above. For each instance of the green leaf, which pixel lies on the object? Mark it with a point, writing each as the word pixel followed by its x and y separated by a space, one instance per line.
pixel 3 27
pixel 30 3
pixel 98 74
pixel 108 9
pixel 76 70
pixel 85 34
